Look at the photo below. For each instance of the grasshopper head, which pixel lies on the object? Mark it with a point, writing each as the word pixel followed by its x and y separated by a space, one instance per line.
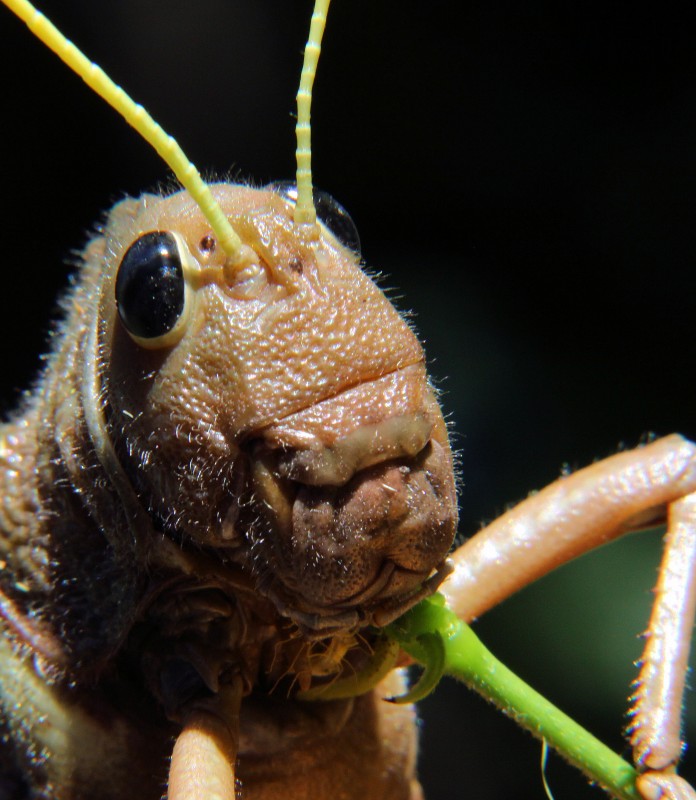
pixel 280 414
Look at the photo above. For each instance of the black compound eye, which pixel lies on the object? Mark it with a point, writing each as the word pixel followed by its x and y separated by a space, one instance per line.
pixel 150 287
pixel 329 211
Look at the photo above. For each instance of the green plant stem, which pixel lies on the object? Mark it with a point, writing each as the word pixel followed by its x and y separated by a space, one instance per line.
pixel 468 660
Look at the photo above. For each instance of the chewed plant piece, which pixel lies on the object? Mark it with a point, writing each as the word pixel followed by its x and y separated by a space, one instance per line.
pixel 229 485
pixel 445 645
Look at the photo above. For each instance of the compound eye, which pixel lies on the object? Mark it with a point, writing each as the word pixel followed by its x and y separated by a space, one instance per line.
pixel 329 211
pixel 151 293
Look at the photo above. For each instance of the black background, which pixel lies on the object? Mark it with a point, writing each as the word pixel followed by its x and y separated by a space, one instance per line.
pixel 523 173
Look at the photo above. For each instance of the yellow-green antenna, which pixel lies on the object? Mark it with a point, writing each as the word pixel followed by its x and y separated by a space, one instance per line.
pixel 95 77
pixel 305 213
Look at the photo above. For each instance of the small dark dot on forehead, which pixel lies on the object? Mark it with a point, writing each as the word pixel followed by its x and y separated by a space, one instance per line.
pixel 207 243
pixel 296 266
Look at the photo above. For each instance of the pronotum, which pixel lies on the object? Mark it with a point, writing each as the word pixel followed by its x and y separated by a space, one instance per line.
pixel 478 188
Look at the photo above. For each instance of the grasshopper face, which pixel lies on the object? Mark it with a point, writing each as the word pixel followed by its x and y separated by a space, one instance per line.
pixel 291 429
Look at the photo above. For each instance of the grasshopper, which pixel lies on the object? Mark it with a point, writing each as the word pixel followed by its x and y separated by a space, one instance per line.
pixel 609 445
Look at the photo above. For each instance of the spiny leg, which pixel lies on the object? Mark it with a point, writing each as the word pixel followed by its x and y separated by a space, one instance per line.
pixel 655 732
pixel 582 511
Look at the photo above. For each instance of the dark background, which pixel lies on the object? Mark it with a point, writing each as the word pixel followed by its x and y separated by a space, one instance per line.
pixel 524 174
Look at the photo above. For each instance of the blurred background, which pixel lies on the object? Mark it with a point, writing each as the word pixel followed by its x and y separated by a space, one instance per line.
pixel 522 175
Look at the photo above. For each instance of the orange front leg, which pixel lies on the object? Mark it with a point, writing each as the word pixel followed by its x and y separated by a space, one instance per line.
pixel 578 513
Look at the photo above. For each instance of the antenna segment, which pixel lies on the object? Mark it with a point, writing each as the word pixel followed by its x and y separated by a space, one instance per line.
pixel 305 213
pixel 136 116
